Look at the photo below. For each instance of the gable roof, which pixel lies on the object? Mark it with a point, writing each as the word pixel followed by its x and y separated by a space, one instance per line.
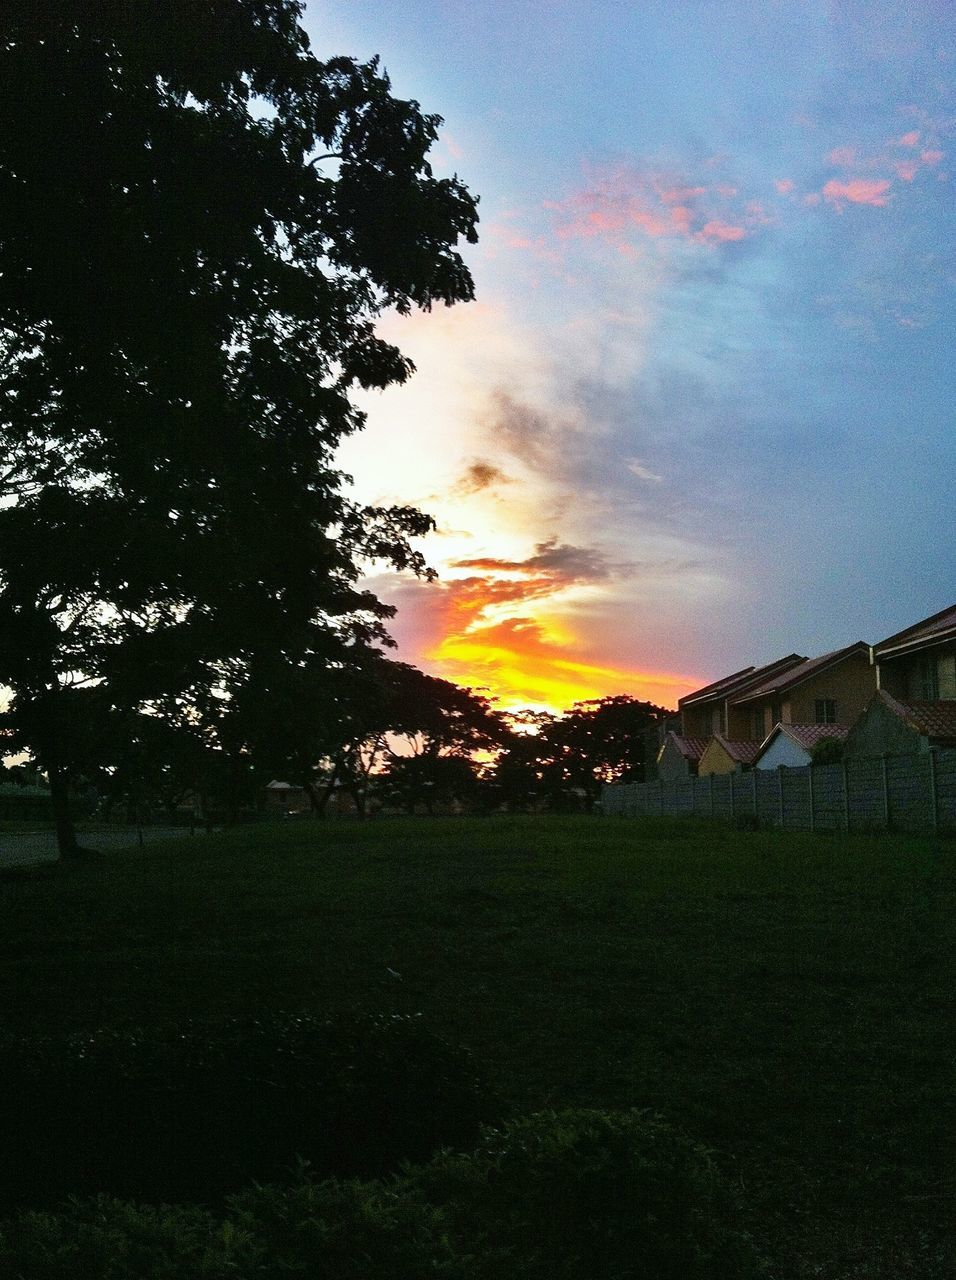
pixel 793 676
pixel 805 736
pixel 933 630
pixel 740 680
pixel 933 720
pixel 690 748
pixel 741 752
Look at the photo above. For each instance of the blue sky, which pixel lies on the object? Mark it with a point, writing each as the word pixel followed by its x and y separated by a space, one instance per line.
pixel 702 412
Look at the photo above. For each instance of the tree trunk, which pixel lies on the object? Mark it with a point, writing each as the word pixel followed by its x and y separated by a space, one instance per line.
pixel 66 842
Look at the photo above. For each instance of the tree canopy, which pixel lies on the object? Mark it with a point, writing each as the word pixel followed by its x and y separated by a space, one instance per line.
pixel 200 223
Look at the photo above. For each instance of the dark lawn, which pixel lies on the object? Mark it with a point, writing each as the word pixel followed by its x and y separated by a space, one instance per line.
pixel 788 999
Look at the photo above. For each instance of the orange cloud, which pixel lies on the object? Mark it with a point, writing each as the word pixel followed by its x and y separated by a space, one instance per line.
pixel 858 191
pixel 522 666
pixel 500 628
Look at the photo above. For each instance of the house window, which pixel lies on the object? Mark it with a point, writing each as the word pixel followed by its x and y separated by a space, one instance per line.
pixel 825 711
pixel 946 677
pixel 928 679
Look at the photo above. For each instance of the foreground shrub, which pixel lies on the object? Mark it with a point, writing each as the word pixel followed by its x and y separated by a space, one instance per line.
pixel 194 1114
pixel 582 1195
pixel 104 1239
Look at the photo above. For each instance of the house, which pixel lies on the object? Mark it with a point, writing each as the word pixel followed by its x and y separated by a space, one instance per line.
pixel 919 664
pixel 724 755
pixel 284 798
pixel 679 757
pixel 832 689
pixel 707 711
pixel 792 744
pixel 891 727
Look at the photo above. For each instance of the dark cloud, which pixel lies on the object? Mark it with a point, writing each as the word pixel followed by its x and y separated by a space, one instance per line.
pixel 479 475
pixel 558 563
pixel 523 431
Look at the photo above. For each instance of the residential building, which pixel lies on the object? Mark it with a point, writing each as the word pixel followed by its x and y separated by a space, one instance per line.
pixel 832 689
pixel 792 744
pixel 724 755
pixel 679 757
pixel 707 711
pixel 892 727
pixel 919 664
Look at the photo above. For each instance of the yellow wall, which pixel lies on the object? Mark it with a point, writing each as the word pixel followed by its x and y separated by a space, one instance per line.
pixel 715 760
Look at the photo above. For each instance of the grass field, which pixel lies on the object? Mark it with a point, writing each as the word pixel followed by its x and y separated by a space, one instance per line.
pixel 787 999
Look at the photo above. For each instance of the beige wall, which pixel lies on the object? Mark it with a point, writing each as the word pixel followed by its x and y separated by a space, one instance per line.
pixel 851 684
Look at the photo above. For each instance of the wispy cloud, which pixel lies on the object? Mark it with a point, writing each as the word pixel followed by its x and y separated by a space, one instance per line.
pixel 637 468
pixel 624 204
pixel 857 191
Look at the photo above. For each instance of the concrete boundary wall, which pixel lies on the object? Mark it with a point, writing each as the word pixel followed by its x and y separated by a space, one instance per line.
pixel 910 793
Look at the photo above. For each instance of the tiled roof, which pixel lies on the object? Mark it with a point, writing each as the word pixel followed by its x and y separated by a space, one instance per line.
pixel 796 675
pixel 690 748
pixel 808 735
pixel 930 719
pixel 741 680
pixel 742 752
pixel 718 687
pixel 930 631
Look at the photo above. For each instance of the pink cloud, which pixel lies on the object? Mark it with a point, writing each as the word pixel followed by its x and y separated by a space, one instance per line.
pixel 681 219
pixel 906 169
pixel 650 223
pixel 678 195
pixel 908 139
pixel 931 157
pixel 757 215
pixel 812 198
pixel 858 191
pixel 784 185
pixel 618 204
pixel 452 146
pixel 845 157
pixel 716 232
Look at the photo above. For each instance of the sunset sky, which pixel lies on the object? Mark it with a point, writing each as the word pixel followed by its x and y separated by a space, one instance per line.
pixel 702 412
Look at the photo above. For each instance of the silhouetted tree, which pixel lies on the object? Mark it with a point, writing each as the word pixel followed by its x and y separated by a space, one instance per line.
pixel 199 224
pixel 518 773
pixel 598 741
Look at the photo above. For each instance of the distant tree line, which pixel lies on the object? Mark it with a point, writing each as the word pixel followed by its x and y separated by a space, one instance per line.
pixel 385 735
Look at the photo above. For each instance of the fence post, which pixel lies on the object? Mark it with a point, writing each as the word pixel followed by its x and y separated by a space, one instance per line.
pixel 933 797
pixel 846 794
pixel 780 770
pixel 813 818
pixel 660 798
pixel 733 812
pixel 753 774
pixel 886 792
pixel 711 795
